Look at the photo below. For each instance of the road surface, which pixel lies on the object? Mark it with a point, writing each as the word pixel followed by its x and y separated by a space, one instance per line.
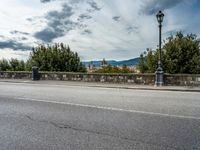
pixel 71 117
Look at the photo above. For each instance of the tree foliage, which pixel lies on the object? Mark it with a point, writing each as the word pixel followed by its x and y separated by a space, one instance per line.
pixel 4 65
pixel 12 65
pixel 180 54
pixel 57 57
pixel 17 65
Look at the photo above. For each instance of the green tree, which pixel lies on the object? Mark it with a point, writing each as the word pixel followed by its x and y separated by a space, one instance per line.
pixel 151 61
pixel 142 66
pixel 57 57
pixel 22 66
pixel 4 65
pixel 180 54
pixel 14 63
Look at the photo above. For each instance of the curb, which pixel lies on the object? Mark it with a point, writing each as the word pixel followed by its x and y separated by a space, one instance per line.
pixel 114 87
pixel 140 88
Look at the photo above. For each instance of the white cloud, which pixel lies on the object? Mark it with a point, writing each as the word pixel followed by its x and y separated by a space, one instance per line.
pixel 95 34
pixel 8 54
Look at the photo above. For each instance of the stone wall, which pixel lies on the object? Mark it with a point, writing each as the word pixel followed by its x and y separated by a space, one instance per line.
pixel 142 79
pixel 15 75
pixel 182 79
pixel 107 78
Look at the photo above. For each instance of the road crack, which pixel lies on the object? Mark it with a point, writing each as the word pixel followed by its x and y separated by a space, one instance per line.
pixel 66 126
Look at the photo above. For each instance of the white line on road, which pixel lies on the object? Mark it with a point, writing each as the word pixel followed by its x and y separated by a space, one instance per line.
pixel 103 86
pixel 72 85
pixel 110 108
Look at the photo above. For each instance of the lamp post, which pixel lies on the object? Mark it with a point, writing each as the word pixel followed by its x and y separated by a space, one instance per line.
pixel 159 71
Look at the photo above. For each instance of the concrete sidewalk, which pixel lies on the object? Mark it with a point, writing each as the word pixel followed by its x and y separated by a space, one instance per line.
pixel 105 85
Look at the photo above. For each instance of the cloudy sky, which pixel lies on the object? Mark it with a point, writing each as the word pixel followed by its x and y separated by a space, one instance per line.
pixel 96 29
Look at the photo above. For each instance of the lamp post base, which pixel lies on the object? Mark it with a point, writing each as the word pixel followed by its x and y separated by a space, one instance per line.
pixel 159 77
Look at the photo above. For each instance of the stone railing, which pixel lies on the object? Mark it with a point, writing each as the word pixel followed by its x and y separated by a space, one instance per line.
pixel 107 78
pixel 182 79
pixel 143 79
pixel 15 75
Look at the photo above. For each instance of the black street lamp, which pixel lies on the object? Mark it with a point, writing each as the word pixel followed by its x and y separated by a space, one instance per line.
pixel 159 71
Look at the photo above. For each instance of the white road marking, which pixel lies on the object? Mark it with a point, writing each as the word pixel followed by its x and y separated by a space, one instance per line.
pixel 70 85
pixel 110 108
pixel 136 88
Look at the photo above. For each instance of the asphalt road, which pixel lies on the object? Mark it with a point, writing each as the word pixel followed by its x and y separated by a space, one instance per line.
pixel 67 117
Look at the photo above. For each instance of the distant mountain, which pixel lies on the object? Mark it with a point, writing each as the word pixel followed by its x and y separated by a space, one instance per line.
pixel 130 62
